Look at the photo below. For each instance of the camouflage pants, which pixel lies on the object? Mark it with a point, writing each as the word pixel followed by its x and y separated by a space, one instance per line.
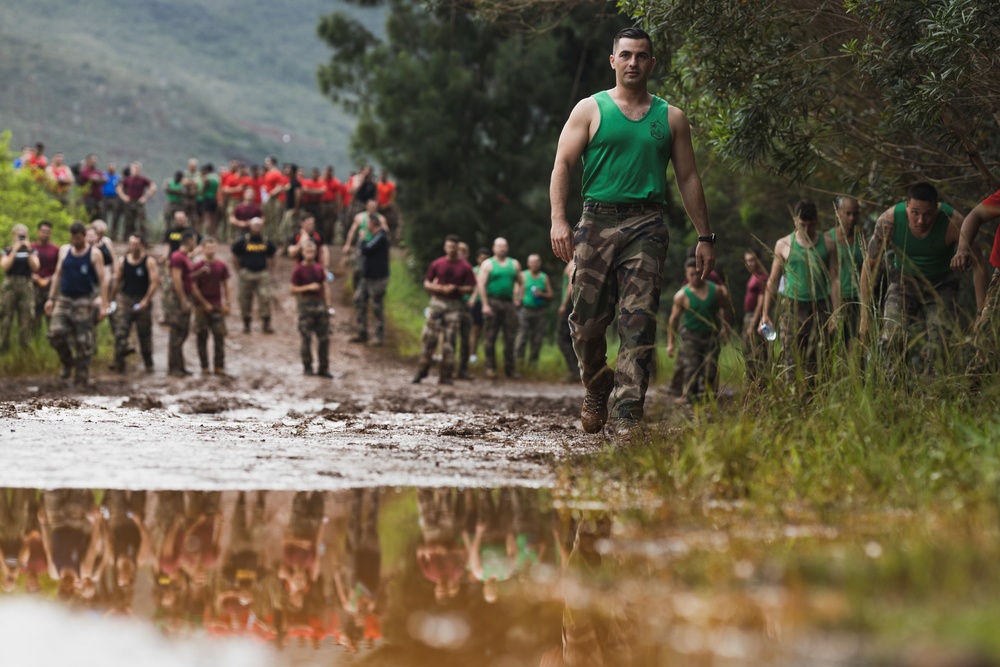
pixel 41 296
pixel 274 211
pixel 565 342
pixel 698 354
pixel 111 210
pixel 134 215
pixel 214 323
pixel 369 290
pixel 180 327
pixel 987 330
pixel 503 320
pixel 314 320
pixel 443 322
pixel 910 301
pixel 530 328
pixel 464 333
pixel 849 319
pixel 72 326
pixel 17 301
pixel 143 321
pixel 255 283
pixel 803 334
pixel 619 268
pixel 755 350
pixel 326 224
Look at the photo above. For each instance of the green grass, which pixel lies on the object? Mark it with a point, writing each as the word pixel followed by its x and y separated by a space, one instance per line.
pixel 40 359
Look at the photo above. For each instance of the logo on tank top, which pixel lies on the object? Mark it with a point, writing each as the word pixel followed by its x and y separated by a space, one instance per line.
pixel 656 130
pixel 83 269
pixel 139 272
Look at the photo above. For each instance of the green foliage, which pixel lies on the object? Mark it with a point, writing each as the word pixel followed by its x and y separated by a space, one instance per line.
pixel 866 95
pixel 465 114
pixel 23 200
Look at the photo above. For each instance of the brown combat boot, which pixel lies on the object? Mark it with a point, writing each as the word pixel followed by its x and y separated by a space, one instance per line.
pixel 594 413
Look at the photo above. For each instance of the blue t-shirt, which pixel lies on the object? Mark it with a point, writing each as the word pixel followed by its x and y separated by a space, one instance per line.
pixel 110 185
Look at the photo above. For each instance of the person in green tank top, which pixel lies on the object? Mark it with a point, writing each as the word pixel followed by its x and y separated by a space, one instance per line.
pixel 923 290
pixel 173 188
pixel 699 318
pixel 807 259
pixel 500 287
pixel 208 199
pixel 850 256
pixel 531 319
pixel 624 137
pixel 192 189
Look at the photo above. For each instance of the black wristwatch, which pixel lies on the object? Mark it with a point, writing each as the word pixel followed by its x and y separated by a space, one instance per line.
pixel 707 239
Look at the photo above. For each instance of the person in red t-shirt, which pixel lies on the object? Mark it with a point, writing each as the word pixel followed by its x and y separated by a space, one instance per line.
pixel 38 159
pixel 134 190
pixel 181 287
pixel 313 189
pixel 988 323
pixel 231 190
pixel 755 348
pixel 386 195
pixel 60 177
pixel 212 299
pixel 448 279
pixel 309 284
pixel 273 185
pixel 329 208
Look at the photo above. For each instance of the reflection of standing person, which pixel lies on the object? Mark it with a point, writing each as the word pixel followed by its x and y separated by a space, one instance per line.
pixel 80 268
pixel 625 137
pixel 442 555
pixel 128 541
pixel 359 581
pixel 13 529
pixel 806 259
pixel 499 287
pixel 74 532
pixel 300 547
pixel 493 548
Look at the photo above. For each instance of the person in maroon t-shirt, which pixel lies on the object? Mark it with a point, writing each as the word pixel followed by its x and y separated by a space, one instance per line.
pixel 987 325
pixel 309 283
pixel 755 348
pixel 48 257
pixel 211 297
pixel 93 179
pixel 448 279
pixel 181 287
pixel 245 211
pixel 134 191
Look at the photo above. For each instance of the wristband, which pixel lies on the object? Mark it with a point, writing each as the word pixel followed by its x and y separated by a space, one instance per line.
pixel 707 239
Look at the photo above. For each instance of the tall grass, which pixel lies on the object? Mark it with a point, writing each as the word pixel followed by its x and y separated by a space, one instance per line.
pixel 40 359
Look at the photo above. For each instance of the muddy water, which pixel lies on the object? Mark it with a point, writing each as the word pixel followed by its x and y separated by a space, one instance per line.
pixel 468 576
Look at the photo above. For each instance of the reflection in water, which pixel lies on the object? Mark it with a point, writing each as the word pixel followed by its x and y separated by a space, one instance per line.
pixel 413 576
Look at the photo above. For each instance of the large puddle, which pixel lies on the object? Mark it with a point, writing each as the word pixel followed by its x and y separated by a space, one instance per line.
pixel 477 576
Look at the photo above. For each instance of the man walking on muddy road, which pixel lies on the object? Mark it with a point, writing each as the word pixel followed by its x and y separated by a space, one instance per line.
pixel 136 280
pixel 179 295
pixel 625 138
pixel 500 285
pixel 71 303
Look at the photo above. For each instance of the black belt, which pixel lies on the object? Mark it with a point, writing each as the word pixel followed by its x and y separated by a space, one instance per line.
pixel 610 208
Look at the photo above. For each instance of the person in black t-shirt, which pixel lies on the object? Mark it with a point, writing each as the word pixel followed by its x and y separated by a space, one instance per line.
pixel 374 279
pixel 253 259
pixel 17 296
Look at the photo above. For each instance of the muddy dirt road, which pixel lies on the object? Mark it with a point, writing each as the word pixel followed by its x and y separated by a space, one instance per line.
pixel 268 426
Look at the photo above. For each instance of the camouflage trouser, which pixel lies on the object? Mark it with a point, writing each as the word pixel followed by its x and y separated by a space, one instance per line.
pixel 274 211
pixel 565 342
pixel 849 319
pixel 143 320
pixel 326 225
pixel 909 300
pixel 987 330
pixel 134 215
pixel 755 350
pixel 72 326
pixel 464 332
pixel 214 323
pixel 180 327
pixel 289 223
pixel 168 213
pixel 503 320
pixel 41 296
pixel 17 300
pixel 698 354
pixel 111 210
pixel 443 322
pixel 373 291
pixel 530 328
pixel 314 320
pixel 803 334
pixel 251 283
pixel 619 267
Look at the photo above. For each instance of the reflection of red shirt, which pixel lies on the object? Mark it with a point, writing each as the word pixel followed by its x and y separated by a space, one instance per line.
pixel 385 191
pixel 179 260
pixel 993 202
pixel 48 257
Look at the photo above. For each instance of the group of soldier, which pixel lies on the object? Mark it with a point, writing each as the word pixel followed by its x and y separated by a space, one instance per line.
pixel 495 298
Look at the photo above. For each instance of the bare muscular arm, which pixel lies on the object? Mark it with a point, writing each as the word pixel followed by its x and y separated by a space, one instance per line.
pixel 689 185
pixel 572 142
pixel 873 262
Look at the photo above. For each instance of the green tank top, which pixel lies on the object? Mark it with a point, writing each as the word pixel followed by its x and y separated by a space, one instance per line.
pixel 701 314
pixel 928 257
pixel 174 192
pixel 626 161
pixel 210 187
pixel 500 282
pixel 530 300
pixel 806 275
pixel 849 259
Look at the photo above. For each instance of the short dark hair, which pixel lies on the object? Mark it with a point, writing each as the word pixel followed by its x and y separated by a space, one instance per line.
pixel 44 223
pixel 633 33
pixel 77 228
pixel 138 237
pixel 923 191
pixel 484 251
pixel 806 210
pixel 209 239
pixel 453 238
pixel 691 263
pixel 187 235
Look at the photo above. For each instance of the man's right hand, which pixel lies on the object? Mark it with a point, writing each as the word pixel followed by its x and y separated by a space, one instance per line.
pixel 185 306
pixel 865 324
pixel 561 235
pixel 487 311
pixel 49 305
pixel 962 261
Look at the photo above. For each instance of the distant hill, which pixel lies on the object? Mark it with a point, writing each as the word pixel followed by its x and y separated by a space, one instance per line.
pixel 164 80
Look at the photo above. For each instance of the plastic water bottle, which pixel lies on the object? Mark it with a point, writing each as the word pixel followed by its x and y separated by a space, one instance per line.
pixel 112 308
pixel 768 332
pixel 329 276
